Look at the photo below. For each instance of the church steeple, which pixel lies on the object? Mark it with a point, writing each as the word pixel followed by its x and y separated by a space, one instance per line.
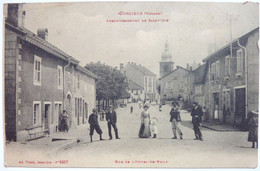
pixel 166 64
pixel 166 45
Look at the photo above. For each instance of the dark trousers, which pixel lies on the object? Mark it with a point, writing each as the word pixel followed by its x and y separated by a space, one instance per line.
pixel 196 126
pixel 114 127
pixel 95 127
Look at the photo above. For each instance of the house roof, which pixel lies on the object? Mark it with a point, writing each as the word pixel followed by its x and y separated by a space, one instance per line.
pixel 143 69
pixel 226 47
pixel 200 74
pixel 134 86
pixel 86 71
pixel 178 67
pixel 29 37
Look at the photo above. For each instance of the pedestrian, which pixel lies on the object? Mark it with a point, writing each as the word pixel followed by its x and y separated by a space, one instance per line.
pixel 64 122
pixel 111 118
pixel 93 121
pixel 160 107
pixel 131 109
pixel 175 120
pixel 154 127
pixel 197 114
pixel 102 116
pixel 253 129
pixel 144 131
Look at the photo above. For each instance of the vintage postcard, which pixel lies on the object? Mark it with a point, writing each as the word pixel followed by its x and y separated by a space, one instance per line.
pixel 131 84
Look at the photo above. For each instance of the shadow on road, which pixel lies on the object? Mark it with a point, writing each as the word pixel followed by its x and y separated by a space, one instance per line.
pixel 189 124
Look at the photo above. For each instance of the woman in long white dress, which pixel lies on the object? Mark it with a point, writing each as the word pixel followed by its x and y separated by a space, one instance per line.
pixel 145 131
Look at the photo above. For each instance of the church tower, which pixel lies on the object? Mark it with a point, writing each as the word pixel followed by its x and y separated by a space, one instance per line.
pixel 166 64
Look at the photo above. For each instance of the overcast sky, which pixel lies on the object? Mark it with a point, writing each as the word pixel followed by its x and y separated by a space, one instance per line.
pixel 81 30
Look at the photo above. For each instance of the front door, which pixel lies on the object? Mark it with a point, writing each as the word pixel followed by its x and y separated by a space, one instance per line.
pixel 240 105
pixel 216 106
pixel 46 116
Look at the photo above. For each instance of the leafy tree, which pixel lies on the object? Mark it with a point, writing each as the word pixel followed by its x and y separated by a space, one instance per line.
pixel 111 84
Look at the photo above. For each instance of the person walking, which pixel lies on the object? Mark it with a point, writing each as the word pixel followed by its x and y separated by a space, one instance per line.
pixel 253 129
pixel 93 121
pixel 197 114
pixel 111 118
pixel 131 109
pixel 144 131
pixel 175 120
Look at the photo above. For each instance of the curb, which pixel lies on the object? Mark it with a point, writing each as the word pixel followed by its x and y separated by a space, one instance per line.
pixel 220 130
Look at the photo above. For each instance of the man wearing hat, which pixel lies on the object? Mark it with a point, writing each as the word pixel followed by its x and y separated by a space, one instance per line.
pixel 93 121
pixel 175 120
pixel 111 121
pixel 197 114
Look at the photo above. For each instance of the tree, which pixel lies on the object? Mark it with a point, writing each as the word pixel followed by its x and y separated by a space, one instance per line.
pixel 111 84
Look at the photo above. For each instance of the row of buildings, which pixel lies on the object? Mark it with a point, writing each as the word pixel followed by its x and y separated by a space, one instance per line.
pixel 226 84
pixel 41 80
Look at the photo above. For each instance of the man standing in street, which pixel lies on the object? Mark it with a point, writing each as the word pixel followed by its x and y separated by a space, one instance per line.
pixel 93 121
pixel 197 114
pixel 111 121
pixel 175 120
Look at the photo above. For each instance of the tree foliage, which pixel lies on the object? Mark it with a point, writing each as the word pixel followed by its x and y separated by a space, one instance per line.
pixel 111 83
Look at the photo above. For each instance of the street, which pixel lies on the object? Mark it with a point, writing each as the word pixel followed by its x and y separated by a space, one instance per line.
pixel 219 149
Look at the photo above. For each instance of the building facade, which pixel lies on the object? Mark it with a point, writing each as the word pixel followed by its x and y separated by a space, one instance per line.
pixel 232 80
pixel 136 92
pixel 172 85
pixel 36 86
pixel 142 77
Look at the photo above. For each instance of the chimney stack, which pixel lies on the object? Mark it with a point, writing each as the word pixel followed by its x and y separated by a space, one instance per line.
pixel 43 33
pixel 121 66
pixel 16 14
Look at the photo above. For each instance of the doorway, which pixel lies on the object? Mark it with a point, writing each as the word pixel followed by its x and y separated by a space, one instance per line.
pixel 240 105
pixel 46 116
pixel 215 106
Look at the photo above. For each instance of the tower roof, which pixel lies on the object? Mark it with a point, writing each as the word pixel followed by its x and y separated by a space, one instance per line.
pixel 166 55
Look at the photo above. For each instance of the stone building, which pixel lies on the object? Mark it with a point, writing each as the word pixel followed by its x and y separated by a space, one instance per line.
pixel 233 80
pixel 142 77
pixel 172 85
pixel 40 80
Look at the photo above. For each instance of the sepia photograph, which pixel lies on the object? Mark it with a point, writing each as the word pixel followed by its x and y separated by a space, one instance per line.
pixel 130 84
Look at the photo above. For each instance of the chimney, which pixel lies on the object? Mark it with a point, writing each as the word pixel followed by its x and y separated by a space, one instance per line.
pixel 187 66
pixel 121 66
pixel 43 33
pixel 178 67
pixel 16 14
pixel 190 68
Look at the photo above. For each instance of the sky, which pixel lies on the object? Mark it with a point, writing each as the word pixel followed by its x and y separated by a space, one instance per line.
pixel 193 29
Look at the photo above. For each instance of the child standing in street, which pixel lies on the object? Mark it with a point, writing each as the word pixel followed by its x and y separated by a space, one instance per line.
pixel 154 127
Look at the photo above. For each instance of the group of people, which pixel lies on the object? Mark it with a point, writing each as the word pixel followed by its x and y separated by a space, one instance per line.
pixel 149 126
pixel 111 118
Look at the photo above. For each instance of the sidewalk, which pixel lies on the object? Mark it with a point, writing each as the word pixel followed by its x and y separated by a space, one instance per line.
pixel 220 127
pixel 56 141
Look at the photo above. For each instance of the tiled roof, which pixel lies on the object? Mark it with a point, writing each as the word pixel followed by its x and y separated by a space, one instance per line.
pixel 179 67
pixel 199 74
pixel 133 86
pixel 86 71
pixel 227 46
pixel 28 36
pixel 143 69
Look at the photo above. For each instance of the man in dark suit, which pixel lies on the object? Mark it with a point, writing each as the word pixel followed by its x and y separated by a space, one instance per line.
pixel 93 121
pixel 111 121
pixel 197 114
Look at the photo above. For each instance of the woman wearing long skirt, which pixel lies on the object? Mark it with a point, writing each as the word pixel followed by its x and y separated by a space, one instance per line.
pixel 253 129
pixel 145 131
